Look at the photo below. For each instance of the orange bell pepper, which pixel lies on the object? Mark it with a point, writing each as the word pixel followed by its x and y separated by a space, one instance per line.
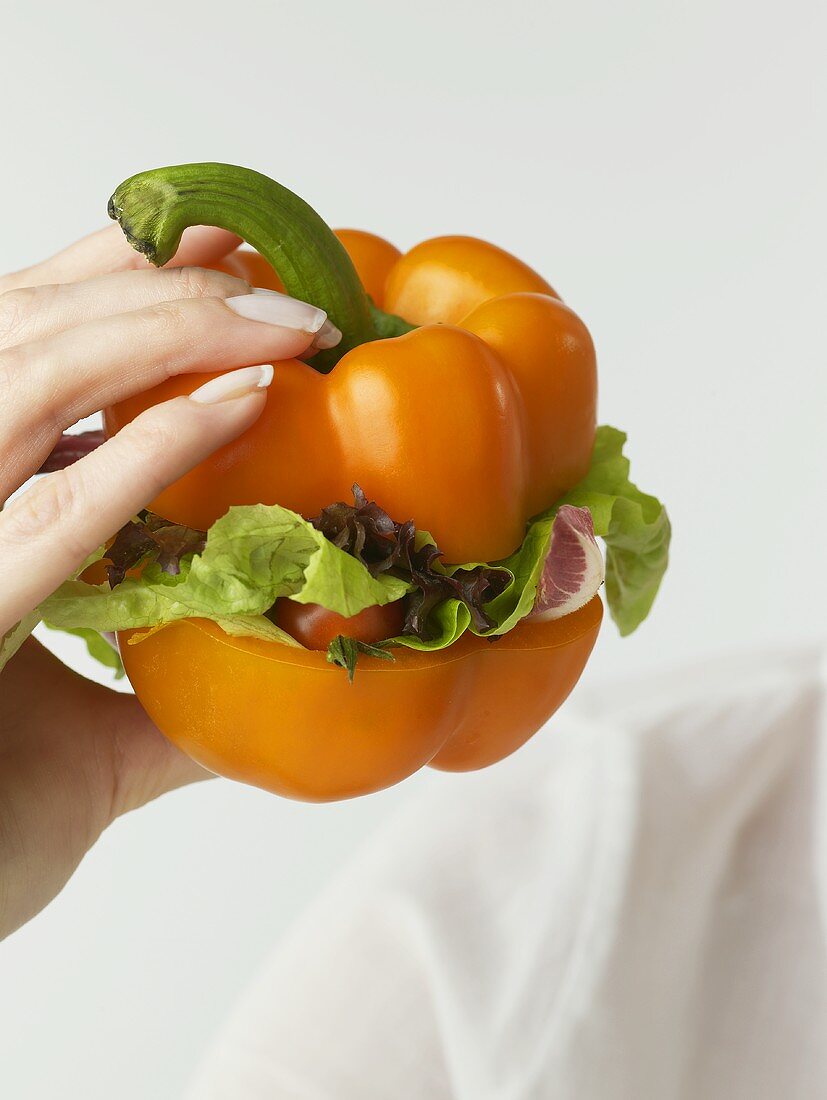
pixel 469 424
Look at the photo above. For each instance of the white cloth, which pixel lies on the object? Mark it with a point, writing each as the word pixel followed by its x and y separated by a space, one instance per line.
pixel 633 908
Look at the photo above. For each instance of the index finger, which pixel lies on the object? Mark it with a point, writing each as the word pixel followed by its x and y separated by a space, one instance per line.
pixel 108 251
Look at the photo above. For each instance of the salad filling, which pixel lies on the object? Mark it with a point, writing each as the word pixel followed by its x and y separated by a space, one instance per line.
pixel 354 556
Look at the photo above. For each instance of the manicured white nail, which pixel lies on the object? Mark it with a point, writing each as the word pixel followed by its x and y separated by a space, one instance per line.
pixel 278 309
pixel 328 336
pixel 238 383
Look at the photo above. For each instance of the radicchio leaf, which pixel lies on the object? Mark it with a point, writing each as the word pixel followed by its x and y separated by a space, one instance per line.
pixel 150 536
pixel 573 570
pixel 366 531
pixel 69 449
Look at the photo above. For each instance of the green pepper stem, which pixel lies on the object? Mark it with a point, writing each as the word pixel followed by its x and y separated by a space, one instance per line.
pixel 154 208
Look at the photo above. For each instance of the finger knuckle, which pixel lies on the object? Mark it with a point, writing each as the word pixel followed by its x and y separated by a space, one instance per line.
pixel 53 501
pixel 166 319
pixel 7 381
pixel 21 427
pixel 13 375
pixel 30 405
pixel 168 330
pixel 198 282
pixel 150 437
pixel 173 335
pixel 16 309
pixel 151 442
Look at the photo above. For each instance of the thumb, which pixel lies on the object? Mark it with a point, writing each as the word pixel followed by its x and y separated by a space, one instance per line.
pixel 145 764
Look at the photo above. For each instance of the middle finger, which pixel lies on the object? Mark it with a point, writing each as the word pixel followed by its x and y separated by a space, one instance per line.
pixel 31 313
pixel 48 385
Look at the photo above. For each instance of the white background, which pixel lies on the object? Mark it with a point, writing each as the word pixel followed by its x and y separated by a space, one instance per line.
pixel 663 164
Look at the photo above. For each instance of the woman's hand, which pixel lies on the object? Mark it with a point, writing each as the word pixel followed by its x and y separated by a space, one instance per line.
pixel 78 332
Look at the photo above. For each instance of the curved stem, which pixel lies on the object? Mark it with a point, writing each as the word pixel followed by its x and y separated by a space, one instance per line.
pixel 154 208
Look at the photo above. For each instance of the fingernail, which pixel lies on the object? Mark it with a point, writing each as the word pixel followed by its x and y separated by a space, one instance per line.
pixel 238 383
pixel 277 309
pixel 328 336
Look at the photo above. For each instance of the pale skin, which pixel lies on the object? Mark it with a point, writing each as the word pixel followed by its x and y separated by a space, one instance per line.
pixel 88 327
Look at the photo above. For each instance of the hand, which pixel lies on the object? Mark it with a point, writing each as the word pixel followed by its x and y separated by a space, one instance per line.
pixel 78 332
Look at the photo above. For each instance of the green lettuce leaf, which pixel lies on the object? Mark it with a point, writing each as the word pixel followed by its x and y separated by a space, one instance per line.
pixel 253 555
pixel 634 526
pixel 14 638
pixel 257 626
pixel 97 647
pixel 447 622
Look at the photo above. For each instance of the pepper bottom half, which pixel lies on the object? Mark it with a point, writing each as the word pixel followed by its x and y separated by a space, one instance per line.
pixel 288 721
